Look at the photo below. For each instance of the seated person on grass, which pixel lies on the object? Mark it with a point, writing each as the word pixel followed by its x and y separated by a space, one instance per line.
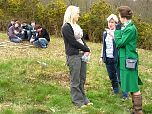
pixel 41 38
pixel 27 30
pixel 15 33
pixel 32 29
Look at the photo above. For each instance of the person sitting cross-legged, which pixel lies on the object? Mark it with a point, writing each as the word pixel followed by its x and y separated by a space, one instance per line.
pixel 41 38
pixel 15 33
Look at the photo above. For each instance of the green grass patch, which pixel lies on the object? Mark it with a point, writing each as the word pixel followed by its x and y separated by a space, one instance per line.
pixel 36 81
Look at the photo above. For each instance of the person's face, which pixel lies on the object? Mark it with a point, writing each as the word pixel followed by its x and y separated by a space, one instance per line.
pixel 16 25
pixel 33 24
pixel 38 30
pixel 12 22
pixel 76 16
pixel 111 24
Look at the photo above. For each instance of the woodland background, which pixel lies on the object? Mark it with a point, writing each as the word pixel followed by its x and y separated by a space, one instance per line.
pixel 36 81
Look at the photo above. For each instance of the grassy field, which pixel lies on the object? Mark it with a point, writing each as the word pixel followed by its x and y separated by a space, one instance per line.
pixel 36 81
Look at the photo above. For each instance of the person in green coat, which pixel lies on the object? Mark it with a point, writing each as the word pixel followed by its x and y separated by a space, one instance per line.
pixel 126 36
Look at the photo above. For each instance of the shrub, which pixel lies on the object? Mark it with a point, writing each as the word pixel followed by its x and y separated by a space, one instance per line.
pixel 145 34
pixel 94 21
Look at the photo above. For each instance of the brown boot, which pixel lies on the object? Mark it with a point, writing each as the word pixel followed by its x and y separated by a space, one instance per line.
pixel 137 104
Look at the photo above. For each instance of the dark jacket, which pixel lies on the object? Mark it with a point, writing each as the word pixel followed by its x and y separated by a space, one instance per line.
pixel 72 47
pixel 115 51
pixel 43 34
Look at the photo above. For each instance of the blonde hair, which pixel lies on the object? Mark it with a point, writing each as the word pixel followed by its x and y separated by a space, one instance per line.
pixel 69 14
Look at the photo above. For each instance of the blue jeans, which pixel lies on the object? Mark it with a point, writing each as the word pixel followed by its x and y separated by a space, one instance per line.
pixel 15 39
pixel 112 72
pixel 41 42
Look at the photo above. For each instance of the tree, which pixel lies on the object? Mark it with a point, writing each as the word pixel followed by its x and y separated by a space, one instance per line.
pixel 56 13
pixel 94 21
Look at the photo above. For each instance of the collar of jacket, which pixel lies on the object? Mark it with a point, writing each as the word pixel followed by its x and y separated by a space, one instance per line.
pixel 127 25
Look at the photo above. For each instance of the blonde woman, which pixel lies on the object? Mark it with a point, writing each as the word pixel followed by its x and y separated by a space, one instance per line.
pixel 75 47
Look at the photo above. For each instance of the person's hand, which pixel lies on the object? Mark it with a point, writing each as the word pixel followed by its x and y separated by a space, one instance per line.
pixel 118 26
pixel 100 61
pixel 19 38
pixel 31 40
pixel 87 53
pixel 22 32
pixel 16 32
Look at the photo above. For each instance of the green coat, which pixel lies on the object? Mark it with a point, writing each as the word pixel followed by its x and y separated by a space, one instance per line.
pixel 126 42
